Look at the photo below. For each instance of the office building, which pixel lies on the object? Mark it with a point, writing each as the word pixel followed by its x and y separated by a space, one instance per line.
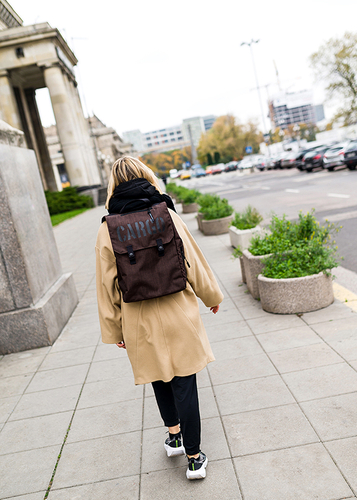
pixel 295 107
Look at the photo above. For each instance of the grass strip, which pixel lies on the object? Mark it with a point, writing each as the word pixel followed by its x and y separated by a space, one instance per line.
pixel 58 218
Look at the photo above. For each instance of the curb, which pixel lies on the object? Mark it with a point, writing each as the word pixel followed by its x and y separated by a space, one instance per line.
pixel 344 295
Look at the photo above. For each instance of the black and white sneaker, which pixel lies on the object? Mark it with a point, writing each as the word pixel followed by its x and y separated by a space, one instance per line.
pixel 173 445
pixel 197 467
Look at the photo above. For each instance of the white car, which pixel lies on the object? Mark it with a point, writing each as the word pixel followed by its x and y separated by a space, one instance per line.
pixel 335 156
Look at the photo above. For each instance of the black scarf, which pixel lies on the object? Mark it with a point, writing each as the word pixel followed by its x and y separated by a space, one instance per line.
pixel 135 191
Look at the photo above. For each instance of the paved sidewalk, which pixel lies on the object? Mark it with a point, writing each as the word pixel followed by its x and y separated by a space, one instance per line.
pixel 279 405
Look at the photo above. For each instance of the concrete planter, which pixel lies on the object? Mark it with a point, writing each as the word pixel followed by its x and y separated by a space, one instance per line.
pixel 295 295
pixel 190 208
pixel 199 221
pixel 216 226
pixel 241 261
pixel 241 237
pixel 253 266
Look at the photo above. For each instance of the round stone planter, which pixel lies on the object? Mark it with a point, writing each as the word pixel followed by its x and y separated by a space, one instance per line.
pixel 199 221
pixel 190 208
pixel 253 266
pixel 216 226
pixel 295 295
pixel 241 237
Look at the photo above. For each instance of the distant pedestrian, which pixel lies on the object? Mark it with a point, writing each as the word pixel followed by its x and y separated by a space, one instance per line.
pixel 164 179
pixel 164 337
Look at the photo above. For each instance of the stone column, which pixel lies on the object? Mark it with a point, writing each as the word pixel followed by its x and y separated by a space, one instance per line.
pixel 36 298
pixel 8 110
pixel 61 103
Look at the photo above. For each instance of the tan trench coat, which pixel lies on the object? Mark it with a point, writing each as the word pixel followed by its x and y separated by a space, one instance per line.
pixel 164 337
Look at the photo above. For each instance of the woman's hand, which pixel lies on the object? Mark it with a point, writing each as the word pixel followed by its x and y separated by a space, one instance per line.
pixel 121 344
pixel 214 309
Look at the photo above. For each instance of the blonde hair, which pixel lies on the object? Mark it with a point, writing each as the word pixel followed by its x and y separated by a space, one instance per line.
pixel 126 169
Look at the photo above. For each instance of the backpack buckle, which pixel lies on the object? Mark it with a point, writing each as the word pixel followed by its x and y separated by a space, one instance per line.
pixel 160 247
pixel 131 254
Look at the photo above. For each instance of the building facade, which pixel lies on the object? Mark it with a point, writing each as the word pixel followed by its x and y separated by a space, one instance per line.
pixel 166 139
pixel 34 57
pixel 295 107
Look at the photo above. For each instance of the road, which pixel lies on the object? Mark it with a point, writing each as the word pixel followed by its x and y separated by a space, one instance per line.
pixel 333 195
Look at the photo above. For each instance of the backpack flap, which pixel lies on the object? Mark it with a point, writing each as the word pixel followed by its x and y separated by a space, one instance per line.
pixel 149 253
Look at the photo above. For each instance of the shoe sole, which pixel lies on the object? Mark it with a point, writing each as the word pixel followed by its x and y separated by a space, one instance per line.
pixel 174 452
pixel 197 474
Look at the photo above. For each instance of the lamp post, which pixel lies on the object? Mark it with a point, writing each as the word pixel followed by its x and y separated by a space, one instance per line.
pixel 250 44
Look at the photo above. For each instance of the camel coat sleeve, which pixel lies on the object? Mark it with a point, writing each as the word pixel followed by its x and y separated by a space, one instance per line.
pixel 199 274
pixel 108 293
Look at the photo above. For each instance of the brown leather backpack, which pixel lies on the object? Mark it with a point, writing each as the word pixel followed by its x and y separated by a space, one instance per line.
pixel 149 253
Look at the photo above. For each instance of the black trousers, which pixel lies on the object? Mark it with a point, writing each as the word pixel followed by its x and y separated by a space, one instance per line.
pixel 178 404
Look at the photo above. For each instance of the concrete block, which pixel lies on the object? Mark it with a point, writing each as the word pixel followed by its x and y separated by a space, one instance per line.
pixel 302 358
pixel 242 270
pixel 289 339
pixel 301 473
pixel 252 395
pixel 106 420
pixel 31 433
pixel 295 295
pixel 27 471
pixel 40 403
pixel 124 488
pixel 333 418
pixel 244 368
pixel 216 226
pixel 268 429
pixel 40 324
pixel 99 459
pixel 322 382
pixel 172 483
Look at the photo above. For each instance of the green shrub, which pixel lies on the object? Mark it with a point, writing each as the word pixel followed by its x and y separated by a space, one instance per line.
pixel 66 200
pixel 247 219
pixel 219 209
pixel 206 200
pixel 189 196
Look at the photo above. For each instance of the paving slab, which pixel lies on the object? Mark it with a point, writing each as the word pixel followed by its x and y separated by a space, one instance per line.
pixel 333 418
pixel 236 348
pixel 59 377
pixel 243 368
pixel 27 471
pixel 228 331
pixel 344 452
pixel 289 338
pixel 301 473
pixel 252 394
pixel 172 483
pixel 32 496
pixel 48 402
pixel 322 382
pixel 99 459
pixel 268 429
pixel 32 433
pixel 11 366
pixel 109 391
pixel 274 322
pixel 12 386
pixel 223 317
pixel 68 358
pixel 106 420
pixel 334 312
pixel 124 488
pixel 7 406
pixel 301 358
pixel 116 368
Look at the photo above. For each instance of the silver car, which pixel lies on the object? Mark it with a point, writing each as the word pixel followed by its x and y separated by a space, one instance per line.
pixel 335 156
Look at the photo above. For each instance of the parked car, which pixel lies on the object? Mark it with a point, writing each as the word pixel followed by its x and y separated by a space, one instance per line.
pixel 335 156
pixel 289 160
pixel 350 157
pixel 186 174
pixel 209 170
pixel 217 169
pixel 300 155
pixel 198 172
pixel 314 158
pixel 280 157
pixel 260 163
pixel 247 162
pixel 232 165
pixel 270 162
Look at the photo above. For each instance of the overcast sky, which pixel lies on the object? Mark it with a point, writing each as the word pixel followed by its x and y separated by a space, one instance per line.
pixel 149 64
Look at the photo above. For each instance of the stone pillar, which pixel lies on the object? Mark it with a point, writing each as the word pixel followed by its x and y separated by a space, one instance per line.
pixel 8 109
pixel 61 103
pixel 36 298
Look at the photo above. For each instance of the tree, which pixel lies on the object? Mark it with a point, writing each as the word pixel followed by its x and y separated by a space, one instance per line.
pixel 227 140
pixel 162 163
pixel 336 62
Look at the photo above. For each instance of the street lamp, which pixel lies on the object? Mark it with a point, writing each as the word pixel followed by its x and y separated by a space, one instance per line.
pixel 250 44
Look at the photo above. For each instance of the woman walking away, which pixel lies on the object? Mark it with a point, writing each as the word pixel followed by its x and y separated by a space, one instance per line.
pixel 163 334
